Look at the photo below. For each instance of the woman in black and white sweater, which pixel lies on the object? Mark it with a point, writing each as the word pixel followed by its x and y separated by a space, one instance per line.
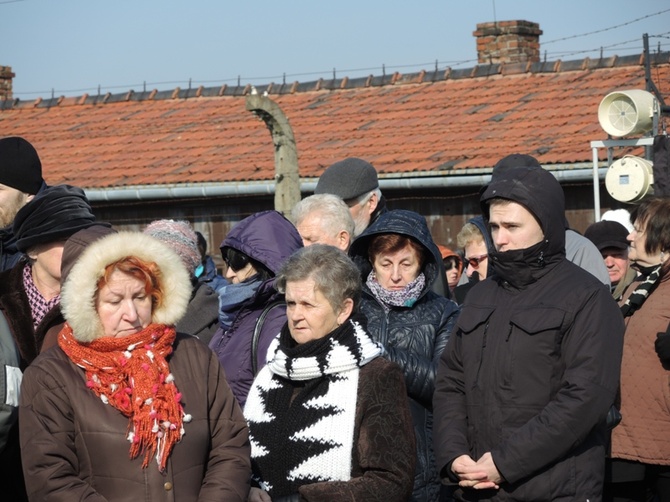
pixel 328 417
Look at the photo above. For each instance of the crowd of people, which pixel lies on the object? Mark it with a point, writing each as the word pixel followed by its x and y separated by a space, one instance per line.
pixel 341 354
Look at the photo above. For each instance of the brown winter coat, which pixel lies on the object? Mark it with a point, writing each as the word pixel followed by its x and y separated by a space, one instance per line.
pixel 383 457
pixel 644 432
pixel 75 447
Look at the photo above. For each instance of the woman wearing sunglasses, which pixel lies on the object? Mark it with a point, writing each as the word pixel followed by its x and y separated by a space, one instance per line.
pixel 475 241
pixel 453 267
pixel 251 311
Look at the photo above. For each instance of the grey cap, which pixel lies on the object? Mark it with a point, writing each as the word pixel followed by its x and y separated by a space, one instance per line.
pixel 348 179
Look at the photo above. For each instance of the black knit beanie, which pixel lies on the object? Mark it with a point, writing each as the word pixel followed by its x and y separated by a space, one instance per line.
pixel 54 214
pixel 20 166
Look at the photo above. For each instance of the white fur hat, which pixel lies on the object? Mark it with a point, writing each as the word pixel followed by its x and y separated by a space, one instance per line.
pixel 79 291
pixel 619 215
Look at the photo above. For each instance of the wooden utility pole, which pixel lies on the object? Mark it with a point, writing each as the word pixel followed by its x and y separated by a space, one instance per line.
pixel 287 177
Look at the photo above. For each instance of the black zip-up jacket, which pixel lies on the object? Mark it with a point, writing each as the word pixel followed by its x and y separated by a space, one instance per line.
pixel 533 365
pixel 414 337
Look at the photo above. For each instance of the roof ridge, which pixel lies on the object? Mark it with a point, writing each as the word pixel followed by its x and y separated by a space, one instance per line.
pixel 346 83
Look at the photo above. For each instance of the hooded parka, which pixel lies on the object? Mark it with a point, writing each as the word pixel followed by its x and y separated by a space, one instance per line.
pixel 75 447
pixel 270 239
pixel 533 365
pixel 414 337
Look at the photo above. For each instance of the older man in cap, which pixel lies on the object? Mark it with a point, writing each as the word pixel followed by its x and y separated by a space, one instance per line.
pixel 20 180
pixel 354 181
pixel 611 239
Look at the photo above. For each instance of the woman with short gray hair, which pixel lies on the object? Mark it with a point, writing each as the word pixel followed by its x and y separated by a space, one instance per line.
pixel 328 417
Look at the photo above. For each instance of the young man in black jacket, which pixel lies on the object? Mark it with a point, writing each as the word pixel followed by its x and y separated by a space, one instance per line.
pixel 525 384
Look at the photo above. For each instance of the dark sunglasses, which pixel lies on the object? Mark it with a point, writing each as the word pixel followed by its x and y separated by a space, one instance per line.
pixel 476 260
pixel 451 262
pixel 234 259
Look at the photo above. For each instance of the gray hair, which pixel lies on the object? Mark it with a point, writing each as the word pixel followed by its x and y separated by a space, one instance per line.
pixel 332 271
pixel 362 199
pixel 469 233
pixel 335 215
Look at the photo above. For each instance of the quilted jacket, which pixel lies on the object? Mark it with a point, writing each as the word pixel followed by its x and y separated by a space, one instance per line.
pixel 413 337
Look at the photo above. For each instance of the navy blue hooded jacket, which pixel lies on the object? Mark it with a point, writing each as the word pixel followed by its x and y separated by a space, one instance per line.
pixel 414 337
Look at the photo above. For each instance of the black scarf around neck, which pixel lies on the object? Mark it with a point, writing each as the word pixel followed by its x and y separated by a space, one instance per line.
pixel 521 267
pixel 642 290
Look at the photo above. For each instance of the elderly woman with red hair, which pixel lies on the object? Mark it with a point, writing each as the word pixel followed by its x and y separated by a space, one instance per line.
pixel 125 408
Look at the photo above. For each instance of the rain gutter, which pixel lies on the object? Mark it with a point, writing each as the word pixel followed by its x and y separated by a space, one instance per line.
pixel 467 178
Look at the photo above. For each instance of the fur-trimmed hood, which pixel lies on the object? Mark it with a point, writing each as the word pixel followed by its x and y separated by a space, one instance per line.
pixel 78 292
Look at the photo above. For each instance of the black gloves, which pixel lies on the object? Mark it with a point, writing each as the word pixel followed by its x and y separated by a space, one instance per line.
pixel 662 346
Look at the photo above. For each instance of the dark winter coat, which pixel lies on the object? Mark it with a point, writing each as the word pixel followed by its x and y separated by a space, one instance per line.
pixel 268 238
pixel 533 365
pixel 15 307
pixel 9 254
pixel 413 337
pixel 202 315
pixel 383 442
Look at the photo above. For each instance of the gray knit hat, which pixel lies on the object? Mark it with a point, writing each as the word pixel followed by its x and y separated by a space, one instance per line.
pixel 180 236
pixel 348 179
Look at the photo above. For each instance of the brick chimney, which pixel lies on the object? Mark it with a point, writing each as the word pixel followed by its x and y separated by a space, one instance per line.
pixel 508 42
pixel 6 77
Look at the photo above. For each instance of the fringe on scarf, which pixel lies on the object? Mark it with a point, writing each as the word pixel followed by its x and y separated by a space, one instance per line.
pixel 132 375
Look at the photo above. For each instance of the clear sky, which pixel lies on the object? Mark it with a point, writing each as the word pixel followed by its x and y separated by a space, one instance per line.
pixel 70 47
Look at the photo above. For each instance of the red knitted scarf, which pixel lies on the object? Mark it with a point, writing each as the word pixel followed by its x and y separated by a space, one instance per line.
pixel 131 374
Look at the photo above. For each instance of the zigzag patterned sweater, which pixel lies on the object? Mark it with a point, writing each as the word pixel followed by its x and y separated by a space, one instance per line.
pixel 301 411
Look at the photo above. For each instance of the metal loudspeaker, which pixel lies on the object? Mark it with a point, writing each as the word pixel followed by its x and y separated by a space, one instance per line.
pixel 624 113
pixel 630 179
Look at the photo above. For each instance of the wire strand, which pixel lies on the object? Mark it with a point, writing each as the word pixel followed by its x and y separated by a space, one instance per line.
pixel 439 65
pixel 606 29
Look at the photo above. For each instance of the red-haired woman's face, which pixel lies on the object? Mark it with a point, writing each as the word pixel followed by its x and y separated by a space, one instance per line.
pixel 123 305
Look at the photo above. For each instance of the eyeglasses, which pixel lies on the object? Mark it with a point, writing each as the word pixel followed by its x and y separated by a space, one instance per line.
pixel 474 261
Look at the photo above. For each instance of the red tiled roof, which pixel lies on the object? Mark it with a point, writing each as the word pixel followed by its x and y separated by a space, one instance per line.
pixel 426 122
